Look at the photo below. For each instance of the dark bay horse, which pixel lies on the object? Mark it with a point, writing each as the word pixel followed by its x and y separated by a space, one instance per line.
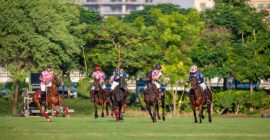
pixel 151 95
pixel 198 100
pixel 100 97
pixel 52 98
pixel 118 98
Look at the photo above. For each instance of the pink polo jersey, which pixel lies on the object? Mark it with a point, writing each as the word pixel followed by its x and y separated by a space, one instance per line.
pixel 47 77
pixel 99 75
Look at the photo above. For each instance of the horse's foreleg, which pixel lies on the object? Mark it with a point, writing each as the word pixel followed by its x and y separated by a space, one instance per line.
pixel 155 112
pixel 120 112
pixel 194 113
pixel 107 108
pixel 65 108
pixel 163 106
pixel 150 113
pixel 111 104
pixel 209 112
pixel 201 113
pixel 55 109
pixel 42 112
pixel 115 111
pixel 96 108
pixel 102 110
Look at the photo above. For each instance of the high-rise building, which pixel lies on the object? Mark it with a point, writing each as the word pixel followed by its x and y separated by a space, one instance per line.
pixel 260 5
pixel 123 7
pixel 200 5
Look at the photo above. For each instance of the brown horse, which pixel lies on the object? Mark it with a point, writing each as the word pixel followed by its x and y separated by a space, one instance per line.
pixel 198 100
pixel 151 95
pixel 99 96
pixel 118 99
pixel 52 98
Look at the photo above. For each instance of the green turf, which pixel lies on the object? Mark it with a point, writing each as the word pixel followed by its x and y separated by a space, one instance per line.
pixel 36 128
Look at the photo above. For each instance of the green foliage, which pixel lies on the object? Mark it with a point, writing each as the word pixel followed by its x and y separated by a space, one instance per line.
pixel 5 104
pixel 239 100
pixel 35 33
pixel 81 106
pixel 149 19
pixel 89 17
pixel 213 51
pixel 84 87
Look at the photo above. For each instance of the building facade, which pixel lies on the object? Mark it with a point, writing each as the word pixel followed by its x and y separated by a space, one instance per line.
pixel 260 5
pixel 200 5
pixel 124 7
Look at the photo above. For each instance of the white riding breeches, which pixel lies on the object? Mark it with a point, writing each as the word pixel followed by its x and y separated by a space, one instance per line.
pixel 157 84
pixel 43 87
pixel 203 86
pixel 114 84
pixel 102 86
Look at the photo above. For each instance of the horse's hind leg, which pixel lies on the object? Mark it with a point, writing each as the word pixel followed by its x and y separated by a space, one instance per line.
pixel 209 113
pixel 163 106
pixel 158 115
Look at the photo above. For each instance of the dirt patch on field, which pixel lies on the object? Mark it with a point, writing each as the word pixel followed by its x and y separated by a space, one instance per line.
pixel 231 115
pixel 265 113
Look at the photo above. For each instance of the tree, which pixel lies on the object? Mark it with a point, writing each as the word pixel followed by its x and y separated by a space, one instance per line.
pixel 176 34
pixel 34 33
pixel 213 51
pixel 244 23
pixel 115 42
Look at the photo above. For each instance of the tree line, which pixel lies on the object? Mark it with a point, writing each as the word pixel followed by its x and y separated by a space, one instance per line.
pixel 232 39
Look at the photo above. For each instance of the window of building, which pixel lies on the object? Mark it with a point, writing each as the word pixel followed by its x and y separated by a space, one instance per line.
pixel 148 1
pixel 131 0
pixel 116 8
pixel 116 0
pixel 91 0
pixel 203 5
pixel 260 6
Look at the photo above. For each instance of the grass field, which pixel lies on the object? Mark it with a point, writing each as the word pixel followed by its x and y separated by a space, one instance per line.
pixel 36 128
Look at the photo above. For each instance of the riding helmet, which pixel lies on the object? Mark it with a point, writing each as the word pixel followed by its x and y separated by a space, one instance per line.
pixel 158 66
pixel 193 69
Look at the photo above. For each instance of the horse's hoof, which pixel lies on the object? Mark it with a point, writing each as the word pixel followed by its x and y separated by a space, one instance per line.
pixel 202 117
pixel 159 118
pixel 67 116
pixel 163 118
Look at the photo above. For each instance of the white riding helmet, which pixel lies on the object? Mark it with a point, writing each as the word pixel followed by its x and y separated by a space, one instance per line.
pixel 193 69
